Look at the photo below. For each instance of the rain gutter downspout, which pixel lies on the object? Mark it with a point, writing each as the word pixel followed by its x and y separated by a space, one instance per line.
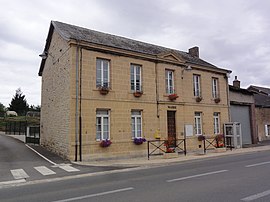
pixel 77 103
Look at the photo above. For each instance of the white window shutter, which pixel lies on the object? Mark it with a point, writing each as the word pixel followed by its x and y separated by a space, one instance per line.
pixel 266 130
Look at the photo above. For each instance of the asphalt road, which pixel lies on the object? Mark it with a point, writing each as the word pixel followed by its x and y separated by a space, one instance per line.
pixel 242 177
pixel 19 162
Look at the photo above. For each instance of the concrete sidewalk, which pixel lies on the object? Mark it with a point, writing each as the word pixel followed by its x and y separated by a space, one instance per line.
pixel 160 160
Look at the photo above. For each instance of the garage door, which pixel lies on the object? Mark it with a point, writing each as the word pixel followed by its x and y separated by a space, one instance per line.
pixel 241 114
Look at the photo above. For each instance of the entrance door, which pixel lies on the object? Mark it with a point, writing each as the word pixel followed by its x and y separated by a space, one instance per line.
pixel 171 128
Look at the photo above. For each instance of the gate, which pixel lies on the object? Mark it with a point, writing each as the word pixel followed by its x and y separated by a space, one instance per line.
pixel 32 134
pixel 24 128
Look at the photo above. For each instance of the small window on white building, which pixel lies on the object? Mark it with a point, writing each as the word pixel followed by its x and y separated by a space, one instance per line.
pixel 102 125
pixel 136 124
pixel 198 123
pixel 216 123
pixel 267 130
pixel 169 82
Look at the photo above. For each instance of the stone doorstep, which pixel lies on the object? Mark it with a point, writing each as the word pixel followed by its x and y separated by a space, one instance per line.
pixel 170 155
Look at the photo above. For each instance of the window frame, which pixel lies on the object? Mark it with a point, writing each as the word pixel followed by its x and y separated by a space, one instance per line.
pixel 170 86
pixel 216 117
pixel 215 88
pixel 197 85
pixel 102 76
pixel 267 130
pixel 102 117
pixel 198 123
pixel 133 69
pixel 136 117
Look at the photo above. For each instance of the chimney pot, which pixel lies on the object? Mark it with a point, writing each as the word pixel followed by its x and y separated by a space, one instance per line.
pixel 194 51
pixel 236 83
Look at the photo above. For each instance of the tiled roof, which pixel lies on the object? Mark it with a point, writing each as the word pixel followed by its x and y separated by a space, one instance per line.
pixel 82 34
pixel 261 95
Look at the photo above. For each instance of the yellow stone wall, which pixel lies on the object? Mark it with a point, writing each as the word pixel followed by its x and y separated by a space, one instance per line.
pixel 120 101
pixel 59 102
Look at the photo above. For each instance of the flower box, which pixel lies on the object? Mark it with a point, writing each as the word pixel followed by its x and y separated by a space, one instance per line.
pixel 173 96
pixel 105 143
pixel 137 93
pixel 198 99
pixel 139 141
pixel 217 100
pixel 103 90
pixel 201 137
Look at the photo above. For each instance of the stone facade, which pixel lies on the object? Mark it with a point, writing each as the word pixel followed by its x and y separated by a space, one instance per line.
pixel 69 59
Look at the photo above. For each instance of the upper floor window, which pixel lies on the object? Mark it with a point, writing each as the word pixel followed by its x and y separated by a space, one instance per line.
pixel 197 85
pixel 198 123
pixel 169 81
pixel 215 93
pixel 102 124
pixel 267 130
pixel 136 78
pixel 136 124
pixel 216 123
pixel 102 73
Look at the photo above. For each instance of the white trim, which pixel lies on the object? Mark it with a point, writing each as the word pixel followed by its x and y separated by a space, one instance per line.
pixel 136 117
pixel 197 85
pixel 198 121
pixel 216 123
pixel 215 93
pixel 170 89
pixel 102 116
pixel 266 129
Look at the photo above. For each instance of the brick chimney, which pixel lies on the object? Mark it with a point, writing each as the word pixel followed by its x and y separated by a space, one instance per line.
pixel 194 51
pixel 236 83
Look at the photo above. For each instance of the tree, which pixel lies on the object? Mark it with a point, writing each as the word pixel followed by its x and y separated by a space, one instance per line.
pixel 2 110
pixel 19 103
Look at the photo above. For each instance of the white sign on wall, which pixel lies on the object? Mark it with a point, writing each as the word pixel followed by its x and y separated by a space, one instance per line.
pixel 188 130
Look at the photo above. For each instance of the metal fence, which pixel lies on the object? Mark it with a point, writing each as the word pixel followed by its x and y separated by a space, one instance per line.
pixel 31 132
pixel 16 127
pixel 159 147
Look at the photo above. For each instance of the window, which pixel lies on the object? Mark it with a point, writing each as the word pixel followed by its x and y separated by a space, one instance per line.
pixel 136 124
pixel 169 82
pixel 102 73
pixel 215 93
pixel 197 85
pixel 198 123
pixel 136 78
pixel 216 123
pixel 267 130
pixel 102 124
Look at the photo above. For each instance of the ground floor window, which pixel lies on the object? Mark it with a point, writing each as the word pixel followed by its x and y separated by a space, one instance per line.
pixel 216 123
pixel 136 124
pixel 102 124
pixel 267 130
pixel 198 123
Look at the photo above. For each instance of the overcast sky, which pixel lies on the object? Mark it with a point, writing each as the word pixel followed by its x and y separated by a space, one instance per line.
pixel 231 34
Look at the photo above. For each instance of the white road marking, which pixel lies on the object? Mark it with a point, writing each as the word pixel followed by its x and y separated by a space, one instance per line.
pixel 97 194
pixel 41 155
pixel 199 175
pixel 19 174
pixel 12 182
pixel 68 168
pixel 257 164
pixel 44 170
pixel 256 196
